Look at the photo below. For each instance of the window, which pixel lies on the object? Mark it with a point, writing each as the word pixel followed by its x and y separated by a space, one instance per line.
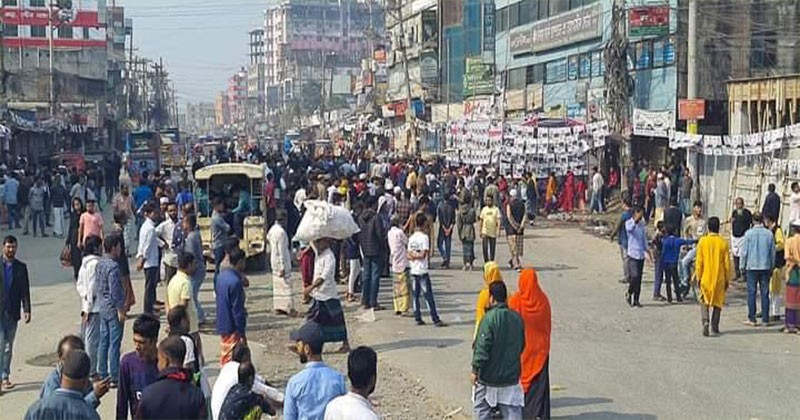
pixel 502 20
pixel 556 71
pixel 574 4
pixel 516 78
pixel 534 74
pixel 763 50
pixel 38 32
pixel 572 67
pixel 544 9
pixel 38 3
pixel 9 2
pixel 643 55
pixel 11 30
pixel 65 32
pixel 558 6
pixel 585 65
pixel 658 53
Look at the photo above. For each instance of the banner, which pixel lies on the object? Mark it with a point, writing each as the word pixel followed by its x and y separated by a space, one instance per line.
pixel 488 26
pixel 653 123
pixel 430 29
pixel 564 29
pixel 429 68
pixel 648 21
pixel 478 77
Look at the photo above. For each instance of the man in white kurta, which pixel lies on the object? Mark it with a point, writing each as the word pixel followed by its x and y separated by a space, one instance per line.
pixel 281 262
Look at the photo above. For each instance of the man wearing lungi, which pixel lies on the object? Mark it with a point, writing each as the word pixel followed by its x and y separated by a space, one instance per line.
pixel 281 263
pixel 326 309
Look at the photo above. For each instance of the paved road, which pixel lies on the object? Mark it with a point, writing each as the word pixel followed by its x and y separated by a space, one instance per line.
pixel 607 361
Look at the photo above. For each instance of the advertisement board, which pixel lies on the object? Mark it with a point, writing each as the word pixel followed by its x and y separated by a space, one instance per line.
pixel 478 77
pixel 429 68
pixel 653 123
pixel 648 21
pixel 488 26
pixel 691 109
pixel 567 28
pixel 430 29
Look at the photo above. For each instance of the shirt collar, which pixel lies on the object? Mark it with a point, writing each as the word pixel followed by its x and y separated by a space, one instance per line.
pixel 71 393
pixel 315 365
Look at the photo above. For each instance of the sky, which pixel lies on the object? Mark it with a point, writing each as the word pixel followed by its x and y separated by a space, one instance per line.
pixel 202 42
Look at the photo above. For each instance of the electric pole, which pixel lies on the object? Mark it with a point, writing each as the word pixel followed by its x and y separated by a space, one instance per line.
pixel 691 74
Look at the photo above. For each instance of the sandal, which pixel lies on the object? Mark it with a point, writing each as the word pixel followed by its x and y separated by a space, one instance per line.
pixel 7 385
pixel 788 330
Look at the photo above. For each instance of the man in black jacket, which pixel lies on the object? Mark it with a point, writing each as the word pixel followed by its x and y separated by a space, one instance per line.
pixel 173 396
pixel 16 299
pixel 373 246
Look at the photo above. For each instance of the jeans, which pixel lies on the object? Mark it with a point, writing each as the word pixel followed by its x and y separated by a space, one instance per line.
pixel 58 222
pixel 197 282
pixel 12 216
pixel 90 332
pixel 686 206
pixel 371 281
pixel 659 277
pixel 108 350
pixel 489 246
pixel 671 278
pixel 481 410
pixel 38 220
pixel 626 273
pixel 420 282
pixel 758 279
pixel 635 268
pixel 597 202
pixel 444 244
pixel 8 331
pixel 150 283
pixel 685 267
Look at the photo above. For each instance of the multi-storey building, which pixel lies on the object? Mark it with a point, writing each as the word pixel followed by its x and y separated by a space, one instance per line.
pixel 255 75
pixel 200 118
pixel 222 115
pixel 237 98
pixel 305 39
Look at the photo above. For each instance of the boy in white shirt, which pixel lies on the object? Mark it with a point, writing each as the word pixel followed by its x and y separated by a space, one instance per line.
pixel 418 253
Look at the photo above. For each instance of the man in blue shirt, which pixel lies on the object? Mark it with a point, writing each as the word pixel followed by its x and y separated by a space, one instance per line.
pixel 757 259
pixel 91 394
pixel 636 230
pixel 310 391
pixel 10 197
pixel 67 402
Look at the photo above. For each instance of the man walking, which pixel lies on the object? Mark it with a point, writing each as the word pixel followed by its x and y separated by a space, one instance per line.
pixel 281 263
pixel 447 222
pixel 741 220
pixel 418 256
pixel 490 227
pixel 231 313
pixel 635 228
pixel 515 228
pixel 111 297
pixel 496 364
pixel 147 255
pixel 772 204
pixel 373 247
pixel 757 260
pixel 16 299
pixel 10 191
pixel 597 191
pixel 714 274
pixel 90 303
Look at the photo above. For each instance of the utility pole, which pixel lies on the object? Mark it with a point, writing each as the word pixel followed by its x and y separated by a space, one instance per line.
pixel 691 74
pixel 50 12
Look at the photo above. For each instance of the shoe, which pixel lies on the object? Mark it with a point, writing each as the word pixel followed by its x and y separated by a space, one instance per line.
pixel 715 331
pixel 439 324
pixel 420 322
pixel 44 235
pixel 637 305
pixel 628 298
pixel 750 323
pixel 398 313
pixel 705 331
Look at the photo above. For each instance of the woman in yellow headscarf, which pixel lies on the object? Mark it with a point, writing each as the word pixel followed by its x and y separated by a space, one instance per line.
pixel 491 274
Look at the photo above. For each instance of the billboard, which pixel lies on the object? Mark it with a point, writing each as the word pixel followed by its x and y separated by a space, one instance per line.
pixel 488 26
pixel 567 28
pixel 429 67
pixel 648 21
pixel 430 29
pixel 478 77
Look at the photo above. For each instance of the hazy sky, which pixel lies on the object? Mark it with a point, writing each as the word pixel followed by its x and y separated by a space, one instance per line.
pixel 202 41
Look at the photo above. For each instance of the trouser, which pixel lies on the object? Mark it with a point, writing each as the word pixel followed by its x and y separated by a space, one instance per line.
pixel 715 315
pixel 468 251
pixel 8 331
pixel 58 222
pixel 197 283
pixel 111 331
pixel 623 253
pixel 736 267
pixel 371 280
pixel 758 279
pixel 659 277
pixel 238 224
pixel 489 246
pixel 38 220
pixel 481 410
pixel 12 216
pixel 685 266
pixel 597 202
pixel 444 243
pixel 127 235
pixel 424 282
pixel 90 332
pixel 169 273
pixel 651 207
pixel 635 268
pixel 537 399
pixel 686 206
pixel 150 283
pixel 671 278
pixel 25 214
pixel 355 270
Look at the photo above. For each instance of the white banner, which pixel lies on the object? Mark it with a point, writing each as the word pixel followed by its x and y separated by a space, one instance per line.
pixel 653 123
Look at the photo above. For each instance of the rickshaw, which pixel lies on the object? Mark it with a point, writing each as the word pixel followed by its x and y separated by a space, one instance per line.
pixel 226 180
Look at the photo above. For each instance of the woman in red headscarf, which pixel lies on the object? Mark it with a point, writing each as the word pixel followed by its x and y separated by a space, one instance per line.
pixel 534 308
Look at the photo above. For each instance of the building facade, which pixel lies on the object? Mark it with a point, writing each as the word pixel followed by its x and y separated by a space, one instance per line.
pixel 237 98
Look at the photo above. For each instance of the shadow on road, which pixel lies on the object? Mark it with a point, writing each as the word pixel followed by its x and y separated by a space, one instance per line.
pixel 608 415
pixel 417 343
pixel 578 401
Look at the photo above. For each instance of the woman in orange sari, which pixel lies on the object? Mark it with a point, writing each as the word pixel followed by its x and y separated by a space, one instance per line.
pixel 534 308
pixel 550 193
pixel 491 274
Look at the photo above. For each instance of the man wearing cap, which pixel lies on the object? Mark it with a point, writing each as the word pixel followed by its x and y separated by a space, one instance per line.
pixel 91 222
pixel 67 402
pixel 309 391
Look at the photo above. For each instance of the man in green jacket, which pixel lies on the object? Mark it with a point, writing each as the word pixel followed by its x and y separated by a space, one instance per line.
pixel 496 359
